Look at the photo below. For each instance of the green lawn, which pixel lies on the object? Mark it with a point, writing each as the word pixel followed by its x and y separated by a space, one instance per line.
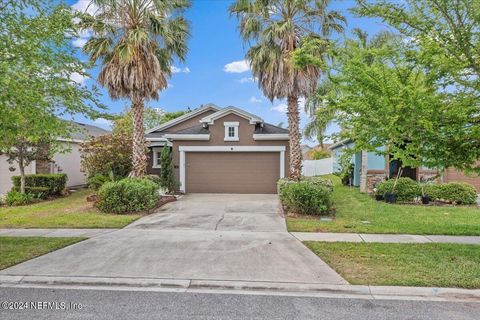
pixel 357 212
pixel 14 250
pixel 426 264
pixel 68 212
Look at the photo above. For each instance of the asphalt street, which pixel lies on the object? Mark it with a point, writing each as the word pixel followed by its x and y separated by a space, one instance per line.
pixel 111 304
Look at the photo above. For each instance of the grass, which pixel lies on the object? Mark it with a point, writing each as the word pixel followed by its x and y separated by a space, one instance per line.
pixel 394 264
pixel 69 212
pixel 354 208
pixel 14 250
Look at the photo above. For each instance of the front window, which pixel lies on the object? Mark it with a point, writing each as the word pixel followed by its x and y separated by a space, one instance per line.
pixel 231 131
pixel 157 162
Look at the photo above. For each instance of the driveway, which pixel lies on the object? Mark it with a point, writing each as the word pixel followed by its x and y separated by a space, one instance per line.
pixel 202 237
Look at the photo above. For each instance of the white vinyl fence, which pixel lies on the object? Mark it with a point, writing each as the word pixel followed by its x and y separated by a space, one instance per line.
pixel 317 167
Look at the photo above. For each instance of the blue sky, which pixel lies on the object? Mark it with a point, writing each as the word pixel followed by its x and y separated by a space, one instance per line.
pixel 214 71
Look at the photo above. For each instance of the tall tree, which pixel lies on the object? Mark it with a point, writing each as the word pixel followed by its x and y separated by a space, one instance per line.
pixel 137 41
pixel 278 28
pixel 37 62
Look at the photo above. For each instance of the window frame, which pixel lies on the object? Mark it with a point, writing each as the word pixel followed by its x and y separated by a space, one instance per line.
pixel 233 125
pixel 156 151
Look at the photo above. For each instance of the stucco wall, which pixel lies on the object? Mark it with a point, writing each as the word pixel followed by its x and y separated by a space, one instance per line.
pixel 6 175
pixel 69 163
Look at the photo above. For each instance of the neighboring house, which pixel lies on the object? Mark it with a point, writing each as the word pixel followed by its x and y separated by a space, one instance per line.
pixel 222 151
pixel 380 167
pixel 68 162
pixel 305 148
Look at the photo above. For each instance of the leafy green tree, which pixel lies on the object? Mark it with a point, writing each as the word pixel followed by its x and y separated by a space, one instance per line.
pixel 37 62
pixel 152 118
pixel 277 28
pixel 167 179
pixel 136 41
pixel 446 32
pixel 384 98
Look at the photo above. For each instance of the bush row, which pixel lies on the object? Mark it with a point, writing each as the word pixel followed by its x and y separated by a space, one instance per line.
pixel 311 195
pixel 47 184
pixel 407 189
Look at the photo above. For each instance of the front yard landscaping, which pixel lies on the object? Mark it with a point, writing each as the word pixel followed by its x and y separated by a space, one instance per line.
pixel 73 211
pixel 357 212
pixel 393 264
pixel 14 250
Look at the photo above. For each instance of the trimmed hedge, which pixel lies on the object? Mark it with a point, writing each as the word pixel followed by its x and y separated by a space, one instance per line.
pixel 128 195
pixel 309 196
pixel 50 184
pixel 455 192
pixel 406 189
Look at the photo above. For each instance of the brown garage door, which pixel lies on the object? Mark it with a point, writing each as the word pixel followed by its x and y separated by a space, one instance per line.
pixel 232 172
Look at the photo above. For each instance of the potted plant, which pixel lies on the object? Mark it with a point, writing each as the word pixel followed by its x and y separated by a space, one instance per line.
pixel 391 197
pixel 425 197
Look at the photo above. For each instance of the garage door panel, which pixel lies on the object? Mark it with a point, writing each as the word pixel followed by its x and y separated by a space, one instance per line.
pixel 232 172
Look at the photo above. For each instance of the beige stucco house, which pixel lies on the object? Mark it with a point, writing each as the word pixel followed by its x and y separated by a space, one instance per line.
pixel 222 150
pixel 68 162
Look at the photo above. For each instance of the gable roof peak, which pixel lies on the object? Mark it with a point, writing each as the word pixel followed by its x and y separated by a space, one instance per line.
pixel 210 119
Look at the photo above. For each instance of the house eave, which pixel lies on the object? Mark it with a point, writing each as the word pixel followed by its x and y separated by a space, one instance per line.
pixel 272 136
pixel 197 137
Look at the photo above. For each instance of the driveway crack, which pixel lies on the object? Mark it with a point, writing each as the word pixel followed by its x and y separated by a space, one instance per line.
pixel 219 221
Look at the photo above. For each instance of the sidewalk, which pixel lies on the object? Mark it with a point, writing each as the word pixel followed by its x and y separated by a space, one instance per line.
pixel 87 233
pixel 385 238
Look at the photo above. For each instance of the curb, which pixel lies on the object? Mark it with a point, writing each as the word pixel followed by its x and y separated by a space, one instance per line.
pixel 246 287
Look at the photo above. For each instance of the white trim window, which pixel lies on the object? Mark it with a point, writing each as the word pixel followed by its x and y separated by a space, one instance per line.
pixel 156 163
pixel 231 131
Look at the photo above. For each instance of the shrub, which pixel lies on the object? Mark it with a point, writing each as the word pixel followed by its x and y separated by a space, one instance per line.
pixel 128 195
pixel 406 189
pixel 96 181
pixel 305 197
pixel 167 179
pixel 431 190
pixel 154 178
pixel 281 185
pixel 319 181
pixel 457 192
pixel 51 184
pixel 107 154
pixel 15 198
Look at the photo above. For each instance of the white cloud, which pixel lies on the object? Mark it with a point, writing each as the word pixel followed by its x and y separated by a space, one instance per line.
pixel 85 6
pixel 179 70
pixel 282 108
pixel 237 66
pixel 78 78
pixel 169 85
pixel 246 79
pixel 79 42
pixel 254 99
pixel 103 122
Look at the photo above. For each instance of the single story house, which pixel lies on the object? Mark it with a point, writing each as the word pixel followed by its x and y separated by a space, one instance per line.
pixel 68 162
pixel 380 167
pixel 221 150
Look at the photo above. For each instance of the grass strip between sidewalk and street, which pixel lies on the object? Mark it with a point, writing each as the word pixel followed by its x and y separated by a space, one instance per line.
pixel 14 250
pixel 359 213
pixel 73 211
pixel 395 264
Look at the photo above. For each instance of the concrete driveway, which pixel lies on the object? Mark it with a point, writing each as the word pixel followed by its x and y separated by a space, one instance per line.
pixel 200 237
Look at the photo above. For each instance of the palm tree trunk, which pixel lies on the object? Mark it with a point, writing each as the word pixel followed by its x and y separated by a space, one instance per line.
pixel 294 128
pixel 139 157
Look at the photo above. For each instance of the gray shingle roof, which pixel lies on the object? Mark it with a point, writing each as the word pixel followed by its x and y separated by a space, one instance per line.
pixel 269 129
pixel 82 131
pixel 199 129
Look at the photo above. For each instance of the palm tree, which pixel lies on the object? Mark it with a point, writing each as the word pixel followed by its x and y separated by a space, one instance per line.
pixel 320 112
pixel 277 28
pixel 136 41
